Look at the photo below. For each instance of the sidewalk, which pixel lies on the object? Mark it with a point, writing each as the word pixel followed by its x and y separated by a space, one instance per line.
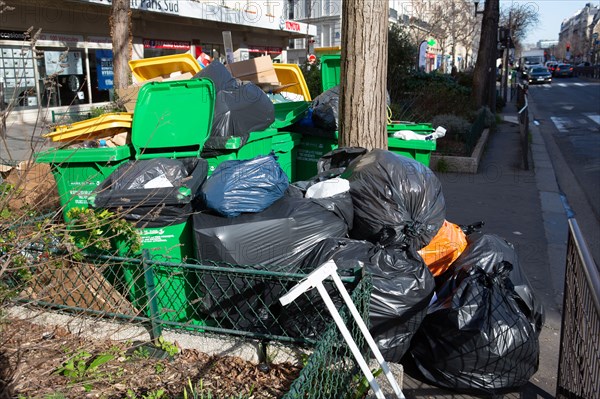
pixel 525 208
pixel 21 142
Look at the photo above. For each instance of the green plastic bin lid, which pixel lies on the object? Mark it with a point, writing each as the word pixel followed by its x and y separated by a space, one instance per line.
pixel 173 119
pixel 399 144
pixel 84 155
pixel 287 113
pixel 330 70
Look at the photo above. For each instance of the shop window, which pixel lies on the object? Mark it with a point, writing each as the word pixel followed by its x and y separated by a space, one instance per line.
pixel 62 77
pixel 17 74
pixel 101 74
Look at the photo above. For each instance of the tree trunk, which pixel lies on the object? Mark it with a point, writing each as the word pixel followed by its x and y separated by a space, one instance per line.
pixel 120 31
pixel 363 105
pixel 484 76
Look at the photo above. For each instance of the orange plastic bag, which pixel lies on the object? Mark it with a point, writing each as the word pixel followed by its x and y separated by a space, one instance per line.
pixel 449 242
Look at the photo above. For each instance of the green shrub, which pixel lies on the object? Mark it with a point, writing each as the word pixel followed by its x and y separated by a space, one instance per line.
pixel 489 117
pixel 457 128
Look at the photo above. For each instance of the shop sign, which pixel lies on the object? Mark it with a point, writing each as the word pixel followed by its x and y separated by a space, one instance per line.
pixel 103 41
pixel 62 63
pixel 104 68
pixel 167 44
pixel 292 26
pixel 70 40
pixel 13 35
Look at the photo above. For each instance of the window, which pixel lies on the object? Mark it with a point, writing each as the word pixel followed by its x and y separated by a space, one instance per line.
pixel 326 36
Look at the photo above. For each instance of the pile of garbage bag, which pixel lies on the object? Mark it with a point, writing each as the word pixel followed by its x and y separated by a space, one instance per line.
pixel 457 304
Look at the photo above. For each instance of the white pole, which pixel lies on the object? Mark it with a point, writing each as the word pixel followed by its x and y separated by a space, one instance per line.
pixel 348 338
pixel 315 280
pixel 367 334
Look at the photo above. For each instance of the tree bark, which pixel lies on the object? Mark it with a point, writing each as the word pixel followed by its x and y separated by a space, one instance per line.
pixel 484 76
pixel 363 105
pixel 120 31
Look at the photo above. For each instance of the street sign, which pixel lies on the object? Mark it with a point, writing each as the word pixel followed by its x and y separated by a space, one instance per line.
pixel 312 58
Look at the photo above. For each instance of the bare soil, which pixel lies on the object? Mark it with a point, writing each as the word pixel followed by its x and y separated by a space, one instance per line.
pixel 31 357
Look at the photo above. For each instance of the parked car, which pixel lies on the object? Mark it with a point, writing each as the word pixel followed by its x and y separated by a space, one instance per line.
pixel 564 70
pixel 584 64
pixel 539 75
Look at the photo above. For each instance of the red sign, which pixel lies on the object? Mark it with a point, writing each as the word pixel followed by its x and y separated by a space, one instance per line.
pixel 291 25
pixel 167 44
pixel 430 55
pixel 312 58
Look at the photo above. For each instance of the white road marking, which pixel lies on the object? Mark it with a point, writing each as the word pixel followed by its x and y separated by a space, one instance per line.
pixel 581 84
pixel 594 117
pixel 567 107
pixel 562 84
pixel 560 123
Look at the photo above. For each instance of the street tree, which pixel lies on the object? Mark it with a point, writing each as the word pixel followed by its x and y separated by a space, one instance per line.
pixel 120 32
pixel 363 74
pixel 468 32
pixel 519 18
pixel 484 75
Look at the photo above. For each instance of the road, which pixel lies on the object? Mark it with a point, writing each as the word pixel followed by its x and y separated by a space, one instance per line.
pixel 568 114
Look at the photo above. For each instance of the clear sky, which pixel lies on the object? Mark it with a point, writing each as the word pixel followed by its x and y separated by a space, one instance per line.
pixel 551 14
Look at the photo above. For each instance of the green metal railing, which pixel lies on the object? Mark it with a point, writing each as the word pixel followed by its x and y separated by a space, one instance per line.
pixel 234 300
pixel 225 299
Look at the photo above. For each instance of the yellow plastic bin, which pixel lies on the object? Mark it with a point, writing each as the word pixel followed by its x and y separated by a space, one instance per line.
pixel 290 74
pixel 149 68
pixel 102 126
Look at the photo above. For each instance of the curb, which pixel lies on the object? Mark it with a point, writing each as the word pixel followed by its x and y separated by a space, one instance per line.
pixel 462 164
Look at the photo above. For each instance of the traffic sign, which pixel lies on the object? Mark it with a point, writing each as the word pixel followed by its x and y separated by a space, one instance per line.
pixel 312 58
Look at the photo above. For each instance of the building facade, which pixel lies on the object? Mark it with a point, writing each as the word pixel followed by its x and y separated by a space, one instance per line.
pixel 578 37
pixel 57 53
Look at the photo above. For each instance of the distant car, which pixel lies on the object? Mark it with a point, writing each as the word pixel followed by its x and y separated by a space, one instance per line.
pixel 564 70
pixel 551 65
pixel 539 75
pixel 584 64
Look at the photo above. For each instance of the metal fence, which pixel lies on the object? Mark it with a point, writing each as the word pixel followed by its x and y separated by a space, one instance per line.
pixel 592 72
pixel 523 106
pixel 579 361
pixel 234 300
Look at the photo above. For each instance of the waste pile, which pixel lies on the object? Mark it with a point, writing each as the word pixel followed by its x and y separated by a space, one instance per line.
pixel 231 187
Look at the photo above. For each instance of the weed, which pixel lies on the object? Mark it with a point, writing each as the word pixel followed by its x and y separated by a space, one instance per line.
pixel 199 392
pixel 141 353
pixel 442 165
pixel 102 230
pixel 83 365
pixel 167 346
pixel 159 368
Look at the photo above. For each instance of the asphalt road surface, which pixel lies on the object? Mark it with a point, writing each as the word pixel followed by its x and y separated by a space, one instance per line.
pixel 568 112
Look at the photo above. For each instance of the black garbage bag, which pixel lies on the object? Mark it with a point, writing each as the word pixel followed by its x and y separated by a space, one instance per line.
pixel 244 186
pixel 402 289
pixel 397 200
pixel 280 236
pixel 337 161
pixel 485 252
pixel 240 107
pixel 152 193
pixel 326 109
pixel 475 338
pixel 276 239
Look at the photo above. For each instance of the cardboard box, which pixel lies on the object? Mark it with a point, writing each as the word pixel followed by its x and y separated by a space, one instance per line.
pixel 259 71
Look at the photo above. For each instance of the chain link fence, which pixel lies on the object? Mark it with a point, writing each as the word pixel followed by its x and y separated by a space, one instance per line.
pixel 208 298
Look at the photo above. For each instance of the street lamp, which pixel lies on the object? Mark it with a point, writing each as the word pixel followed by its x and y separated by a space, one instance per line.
pixel 476 2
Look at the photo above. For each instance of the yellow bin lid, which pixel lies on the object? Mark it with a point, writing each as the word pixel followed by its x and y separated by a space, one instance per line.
pixel 101 126
pixel 290 74
pixel 149 68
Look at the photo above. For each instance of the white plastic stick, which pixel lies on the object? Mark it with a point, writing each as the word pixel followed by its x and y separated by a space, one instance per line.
pixel 367 334
pixel 315 280
pixel 348 338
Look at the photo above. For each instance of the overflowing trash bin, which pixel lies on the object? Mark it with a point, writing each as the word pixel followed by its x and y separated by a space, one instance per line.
pixel 79 169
